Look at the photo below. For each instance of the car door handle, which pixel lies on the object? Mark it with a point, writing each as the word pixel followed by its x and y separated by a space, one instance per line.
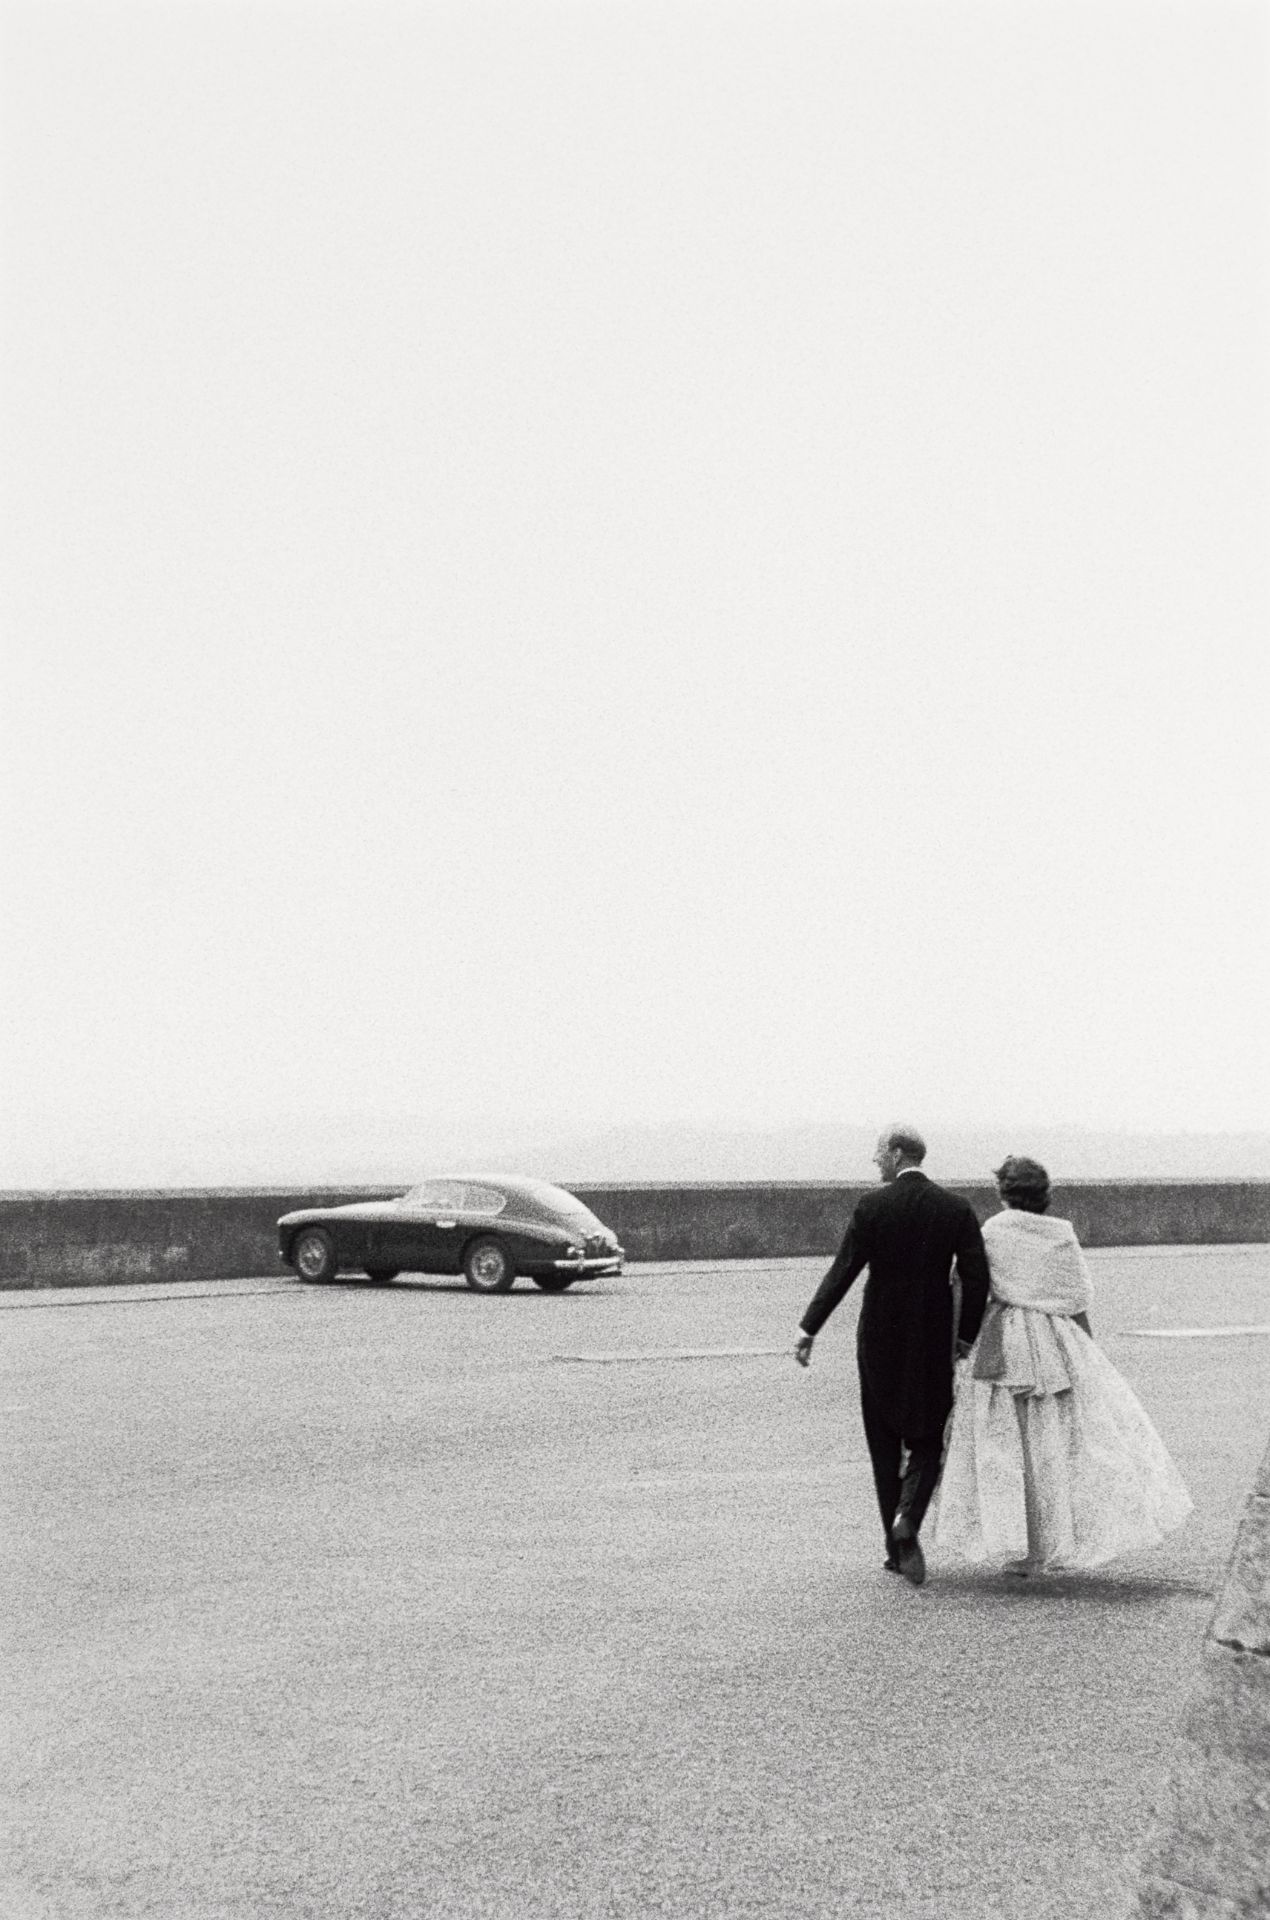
pixel 447 1223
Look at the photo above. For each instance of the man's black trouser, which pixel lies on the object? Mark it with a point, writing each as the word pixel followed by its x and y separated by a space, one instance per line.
pixel 905 1470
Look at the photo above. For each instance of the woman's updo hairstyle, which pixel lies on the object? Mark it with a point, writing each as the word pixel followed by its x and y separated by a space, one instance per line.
pixel 1024 1183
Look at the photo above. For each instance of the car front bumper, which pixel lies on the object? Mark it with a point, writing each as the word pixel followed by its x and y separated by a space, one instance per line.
pixel 598 1263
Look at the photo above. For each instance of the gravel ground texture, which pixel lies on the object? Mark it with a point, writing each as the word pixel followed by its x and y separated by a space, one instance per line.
pixel 343 1601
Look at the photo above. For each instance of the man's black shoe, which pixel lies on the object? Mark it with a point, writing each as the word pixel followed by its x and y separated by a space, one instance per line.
pixel 890 1564
pixel 908 1551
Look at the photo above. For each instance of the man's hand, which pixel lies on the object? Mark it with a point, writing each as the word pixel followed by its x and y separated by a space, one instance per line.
pixel 802 1351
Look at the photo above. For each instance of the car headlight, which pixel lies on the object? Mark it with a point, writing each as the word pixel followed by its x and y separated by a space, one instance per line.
pixel 573 1253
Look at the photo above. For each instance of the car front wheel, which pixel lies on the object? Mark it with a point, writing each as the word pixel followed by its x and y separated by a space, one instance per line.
pixel 554 1282
pixel 313 1255
pixel 487 1267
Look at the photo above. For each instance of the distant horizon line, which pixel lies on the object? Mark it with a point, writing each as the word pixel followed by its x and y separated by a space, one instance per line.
pixel 393 1154
pixel 179 1187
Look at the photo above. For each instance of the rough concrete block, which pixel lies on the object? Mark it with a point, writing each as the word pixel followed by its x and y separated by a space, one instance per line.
pixel 1230 1711
pixel 1212 1859
pixel 1165 1900
pixel 1261 1485
pixel 1218 1839
pixel 1242 1618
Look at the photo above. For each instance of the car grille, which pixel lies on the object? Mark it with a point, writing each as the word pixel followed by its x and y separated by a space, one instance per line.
pixel 597 1244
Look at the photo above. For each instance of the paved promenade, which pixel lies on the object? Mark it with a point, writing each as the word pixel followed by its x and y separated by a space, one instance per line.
pixel 354 1603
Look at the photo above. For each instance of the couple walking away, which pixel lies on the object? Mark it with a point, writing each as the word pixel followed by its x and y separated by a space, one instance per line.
pixel 1051 1461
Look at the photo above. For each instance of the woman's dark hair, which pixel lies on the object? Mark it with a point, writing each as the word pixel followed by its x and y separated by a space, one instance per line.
pixel 1024 1183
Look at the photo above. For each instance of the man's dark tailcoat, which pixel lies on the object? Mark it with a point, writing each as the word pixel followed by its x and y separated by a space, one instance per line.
pixel 908 1233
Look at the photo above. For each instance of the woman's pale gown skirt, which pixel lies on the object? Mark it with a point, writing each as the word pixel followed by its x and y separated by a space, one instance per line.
pixel 1099 1479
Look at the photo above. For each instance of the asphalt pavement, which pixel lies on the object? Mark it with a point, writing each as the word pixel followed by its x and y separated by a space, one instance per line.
pixel 342 1601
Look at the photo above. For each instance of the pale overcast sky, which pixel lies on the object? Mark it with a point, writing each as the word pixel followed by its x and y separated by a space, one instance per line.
pixel 633 562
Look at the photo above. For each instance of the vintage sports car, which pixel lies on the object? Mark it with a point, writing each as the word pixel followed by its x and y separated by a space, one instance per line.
pixel 488 1228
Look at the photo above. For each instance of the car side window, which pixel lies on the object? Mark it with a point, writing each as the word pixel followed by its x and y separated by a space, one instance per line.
pixel 436 1196
pixel 486 1200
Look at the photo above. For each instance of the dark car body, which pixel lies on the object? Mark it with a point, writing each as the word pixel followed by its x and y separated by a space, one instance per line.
pixel 488 1227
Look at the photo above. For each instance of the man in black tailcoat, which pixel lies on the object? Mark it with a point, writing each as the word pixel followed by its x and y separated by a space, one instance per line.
pixel 908 1233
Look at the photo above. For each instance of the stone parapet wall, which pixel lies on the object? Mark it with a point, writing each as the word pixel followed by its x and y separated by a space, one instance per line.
pixel 753 1219
pixel 102 1238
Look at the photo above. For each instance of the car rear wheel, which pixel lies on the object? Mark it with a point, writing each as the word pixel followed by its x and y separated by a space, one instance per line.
pixel 487 1267
pixel 554 1282
pixel 313 1255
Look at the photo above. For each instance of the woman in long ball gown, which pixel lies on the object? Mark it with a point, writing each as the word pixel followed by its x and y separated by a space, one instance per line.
pixel 1051 1460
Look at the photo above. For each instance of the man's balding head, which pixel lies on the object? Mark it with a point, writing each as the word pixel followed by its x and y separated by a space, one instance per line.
pixel 899 1146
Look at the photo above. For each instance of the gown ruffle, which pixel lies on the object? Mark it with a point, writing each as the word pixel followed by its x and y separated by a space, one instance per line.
pixel 1103 1482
